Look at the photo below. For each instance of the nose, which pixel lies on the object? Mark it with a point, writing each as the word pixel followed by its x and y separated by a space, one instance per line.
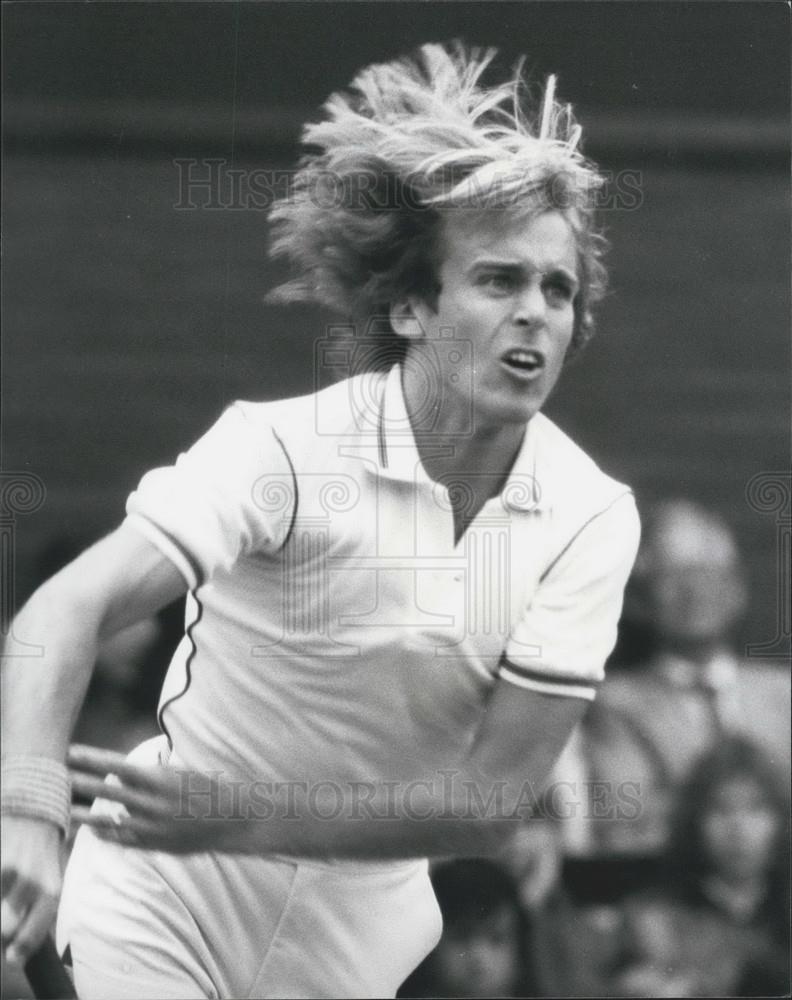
pixel 530 304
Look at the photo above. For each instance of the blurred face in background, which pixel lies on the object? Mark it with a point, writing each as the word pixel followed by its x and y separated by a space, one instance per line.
pixel 739 831
pixel 693 578
pixel 481 960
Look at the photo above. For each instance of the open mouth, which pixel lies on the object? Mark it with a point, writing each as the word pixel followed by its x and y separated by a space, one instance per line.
pixel 524 361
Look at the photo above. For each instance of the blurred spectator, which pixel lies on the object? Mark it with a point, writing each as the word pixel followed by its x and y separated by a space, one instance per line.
pixel 573 940
pixel 719 926
pixel 482 952
pixel 120 709
pixel 679 690
pixel 652 722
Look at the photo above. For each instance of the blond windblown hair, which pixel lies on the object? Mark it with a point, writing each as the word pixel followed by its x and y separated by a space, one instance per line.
pixel 410 141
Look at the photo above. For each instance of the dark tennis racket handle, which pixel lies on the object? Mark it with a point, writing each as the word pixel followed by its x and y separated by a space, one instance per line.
pixel 46 974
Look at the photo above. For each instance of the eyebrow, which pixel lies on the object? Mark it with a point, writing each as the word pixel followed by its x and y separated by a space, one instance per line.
pixel 518 267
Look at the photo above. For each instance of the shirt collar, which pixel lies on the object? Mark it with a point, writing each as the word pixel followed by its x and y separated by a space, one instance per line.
pixel 398 457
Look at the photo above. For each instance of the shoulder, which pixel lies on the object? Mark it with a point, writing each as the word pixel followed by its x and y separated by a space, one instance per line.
pixel 763 689
pixel 583 503
pixel 346 408
pixel 573 481
pixel 767 676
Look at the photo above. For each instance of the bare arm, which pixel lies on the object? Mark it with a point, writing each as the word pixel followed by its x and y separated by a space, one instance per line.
pixel 472 811
pixel 116 582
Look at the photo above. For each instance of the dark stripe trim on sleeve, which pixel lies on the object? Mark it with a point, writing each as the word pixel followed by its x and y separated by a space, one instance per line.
pixel 296 489
pixel 580 531
pixel 536 675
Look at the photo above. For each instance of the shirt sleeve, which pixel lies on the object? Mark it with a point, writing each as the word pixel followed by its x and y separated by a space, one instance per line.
pixel 569 629
pixel 232 493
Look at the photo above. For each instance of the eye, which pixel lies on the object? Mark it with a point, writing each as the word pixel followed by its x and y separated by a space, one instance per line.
pixel 558 289
pixel 500 282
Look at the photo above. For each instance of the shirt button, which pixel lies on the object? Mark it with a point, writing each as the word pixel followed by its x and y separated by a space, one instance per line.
pixel 457 578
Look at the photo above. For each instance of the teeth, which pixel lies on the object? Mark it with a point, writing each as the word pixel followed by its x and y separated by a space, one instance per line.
pixel 529 359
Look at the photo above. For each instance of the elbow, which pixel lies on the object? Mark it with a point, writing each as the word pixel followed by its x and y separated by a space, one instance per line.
pixel 57 618
pixel 72 597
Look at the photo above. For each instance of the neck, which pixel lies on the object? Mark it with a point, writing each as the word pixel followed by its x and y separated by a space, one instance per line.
pixel 448 446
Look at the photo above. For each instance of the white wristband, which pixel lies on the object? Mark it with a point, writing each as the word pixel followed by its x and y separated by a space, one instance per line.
pixel 36 787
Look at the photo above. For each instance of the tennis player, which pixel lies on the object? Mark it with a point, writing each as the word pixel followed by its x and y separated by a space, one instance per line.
pixel 402 588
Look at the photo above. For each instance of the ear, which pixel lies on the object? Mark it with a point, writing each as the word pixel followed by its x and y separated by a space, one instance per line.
pixel 404 320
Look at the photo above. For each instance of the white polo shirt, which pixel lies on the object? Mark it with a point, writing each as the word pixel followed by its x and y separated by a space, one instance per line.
pixel 336 631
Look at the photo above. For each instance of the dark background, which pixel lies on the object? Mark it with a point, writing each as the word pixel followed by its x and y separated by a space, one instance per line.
pixel 129 323
pixel 725 58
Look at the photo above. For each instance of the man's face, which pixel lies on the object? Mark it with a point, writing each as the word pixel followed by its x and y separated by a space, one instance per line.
pixel 694 582
pixel 507 291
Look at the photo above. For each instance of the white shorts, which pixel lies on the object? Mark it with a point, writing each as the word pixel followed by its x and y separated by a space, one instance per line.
pixel 144 924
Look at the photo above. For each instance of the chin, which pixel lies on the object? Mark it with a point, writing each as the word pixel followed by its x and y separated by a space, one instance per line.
pixel 509 412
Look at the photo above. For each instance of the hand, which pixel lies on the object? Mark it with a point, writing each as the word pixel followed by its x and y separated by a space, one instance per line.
pixel 534 856
pixel 31 883
pixel 154 808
